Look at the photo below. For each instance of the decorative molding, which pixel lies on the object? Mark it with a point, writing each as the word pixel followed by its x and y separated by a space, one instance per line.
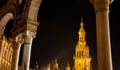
pixel 27 34
pixel 101 5
pixel 32 25
pixel 17 41
pixel 93 1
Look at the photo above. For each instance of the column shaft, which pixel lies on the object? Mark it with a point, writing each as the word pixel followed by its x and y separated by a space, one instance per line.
pixel 27 51
pixel 16 53
pixel 103 41
pixel 15 58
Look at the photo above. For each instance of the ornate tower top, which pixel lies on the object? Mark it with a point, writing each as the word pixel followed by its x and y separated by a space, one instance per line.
pixel 82 59
pixel 82 26
pixel 82 31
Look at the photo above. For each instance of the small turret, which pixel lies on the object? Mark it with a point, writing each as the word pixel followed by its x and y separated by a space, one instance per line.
pixel 68 66
pixel 48 67
pixel 55 65
pixel 37 66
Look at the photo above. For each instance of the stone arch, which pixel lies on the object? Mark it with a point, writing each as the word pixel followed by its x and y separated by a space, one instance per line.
pixel 4 21
pixel 32 23
pixel 33 10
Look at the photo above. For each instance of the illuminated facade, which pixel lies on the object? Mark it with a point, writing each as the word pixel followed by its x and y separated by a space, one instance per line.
pixel 6 52
pixel 82 60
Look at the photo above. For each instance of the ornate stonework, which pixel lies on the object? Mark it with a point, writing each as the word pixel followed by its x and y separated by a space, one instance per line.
pixel 82 59
pixel 32 25
pixel 6 53
pixel 101 5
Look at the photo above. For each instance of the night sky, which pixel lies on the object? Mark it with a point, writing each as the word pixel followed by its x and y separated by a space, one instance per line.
pixel 57 33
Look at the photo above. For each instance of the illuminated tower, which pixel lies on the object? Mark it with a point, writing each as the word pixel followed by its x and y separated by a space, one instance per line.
pixel 82 60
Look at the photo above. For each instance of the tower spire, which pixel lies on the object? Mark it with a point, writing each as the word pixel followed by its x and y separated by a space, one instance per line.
pixel 81 22
pixel 82 31
pixel 82 59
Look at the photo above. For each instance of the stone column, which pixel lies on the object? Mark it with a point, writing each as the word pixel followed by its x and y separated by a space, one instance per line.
pixel 29 35
pixel 27 49
pixel 16 52
pixel 103 34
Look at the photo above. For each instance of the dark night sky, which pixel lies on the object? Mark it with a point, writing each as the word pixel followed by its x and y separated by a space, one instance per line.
pixel 57 33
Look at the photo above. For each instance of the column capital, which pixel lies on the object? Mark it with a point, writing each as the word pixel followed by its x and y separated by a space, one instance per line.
pixel 32 25
pixel 101 5
pixel 29 34
pixel 18 40
pixel 31 28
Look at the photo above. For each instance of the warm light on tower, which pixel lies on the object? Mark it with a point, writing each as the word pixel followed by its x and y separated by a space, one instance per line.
pixel 82 60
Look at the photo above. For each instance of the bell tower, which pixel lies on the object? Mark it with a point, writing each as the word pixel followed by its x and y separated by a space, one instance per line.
pixel 82 60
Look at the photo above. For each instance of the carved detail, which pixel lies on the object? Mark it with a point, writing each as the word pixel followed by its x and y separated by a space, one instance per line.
pixel 32 25
pixel 18 40
pixel 28 33
pixel 101 5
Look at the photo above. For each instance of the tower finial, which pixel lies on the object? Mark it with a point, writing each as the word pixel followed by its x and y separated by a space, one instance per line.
pixel 55 60
pixel 68 66
pixel 81 19
pixel 36 66
pixel 82 22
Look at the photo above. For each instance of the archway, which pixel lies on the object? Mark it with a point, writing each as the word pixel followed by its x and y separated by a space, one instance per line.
pixel 30 32
pixel 6 50
pixel 4 21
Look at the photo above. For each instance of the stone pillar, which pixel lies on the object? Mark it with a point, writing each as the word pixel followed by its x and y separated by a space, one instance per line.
pixel 16 52
pixel 29 35
pixel 103 34
pixel 27 49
